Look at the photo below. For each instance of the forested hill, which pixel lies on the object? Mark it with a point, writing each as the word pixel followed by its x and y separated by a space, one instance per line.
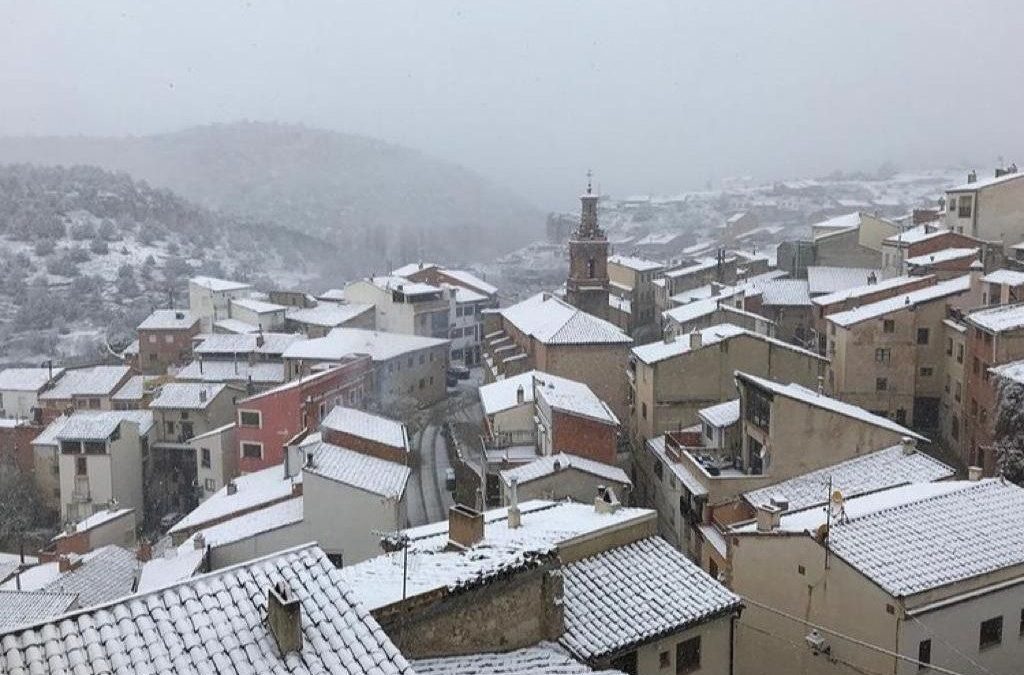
pixel 86 253
pixel 381 201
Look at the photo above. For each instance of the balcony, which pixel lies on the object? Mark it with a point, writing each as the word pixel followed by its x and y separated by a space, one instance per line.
pixel 717 473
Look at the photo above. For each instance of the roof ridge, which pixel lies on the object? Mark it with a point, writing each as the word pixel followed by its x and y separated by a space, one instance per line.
pixel 921 500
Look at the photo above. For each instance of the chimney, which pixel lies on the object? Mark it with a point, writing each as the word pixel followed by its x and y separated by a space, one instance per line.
pixel 284 618
pixel 145 551
pixel 972 177
pixel 781 503
pixel 909 445
pixel 606 501
pixel 465 526
pixel 514 515
pixel 232 487
pixel 696 340
pixel 769 516
pixel 68 563
pixel 259 338
pixel 520 396
pixel 199 541
pixel 974 473
pixel 872 279
pixel 202 395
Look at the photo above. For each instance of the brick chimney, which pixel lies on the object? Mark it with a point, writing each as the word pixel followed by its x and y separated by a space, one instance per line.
pixel 465 526
pixel 145 551
pixel 284 618
pixel 68 563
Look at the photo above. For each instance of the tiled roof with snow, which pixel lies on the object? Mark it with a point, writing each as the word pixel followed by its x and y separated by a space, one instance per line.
pixel 544 658
pixel 367 425
pixel 470 279
pixel 1011 371
pixel 822 280
pixel 945 255
pixel 874 471
pixel 342 342
pixel 659 351
pixel 634 263
pixel 554 321
pixel 875 310
pixel 215 623
pixel 215 370
pixel 273 517
pixel 227 343
pixel 236 326
pixel 95 520
pixel 253 489
pixel 26 379
pixel 219 285
pixel 93 425
pixel 549 465
pixel 804 395
pixel 464 295
pixel 94 381
pixel 370 474
pixel 721 415
pixel 916 235
pixel 698 308
pixel 186 396
pixel 572 397
pixel 378 581
pixel 786 292
pixel 105 574
pixel 931 539
pixel 132 390
pixel 867 289
pixel 412 268
pixel 332 295
pixel 844 222
pixel 18 608
pixel 403 285
pixel 985 182
pixel 503 394
pixel 257 306
pixel 700 266
pixel 169 319
pixel 1002 277
pixel 328 315
pixel 1000 318
pixel 634 594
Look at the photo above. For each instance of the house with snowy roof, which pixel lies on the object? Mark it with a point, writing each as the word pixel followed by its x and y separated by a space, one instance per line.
pixel 548 334
pixel 631 287
pixel 888 356
pixel 988 208
pixel 563 476
pixel 436 275
pixel 88 388
pixel 250 376
pixel 921 240
pixel 251 346
pixel 165 339
pixel 20 389
pixel 403 306
pixel 851 240
pixel 112 525
pixel 210 298
pixel 319 320
pixel 263 315
pixel 931 572
pixel 1003 287
pixel 288 611
pixel 543 658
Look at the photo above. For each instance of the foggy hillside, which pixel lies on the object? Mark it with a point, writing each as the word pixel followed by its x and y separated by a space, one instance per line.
pixel 392 202
pixel 86 254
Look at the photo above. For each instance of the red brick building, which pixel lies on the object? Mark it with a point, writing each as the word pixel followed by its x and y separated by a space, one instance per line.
pixel 267 421
pixel 16 438
pixel 572 419
pixel 368 434
pixel 165 339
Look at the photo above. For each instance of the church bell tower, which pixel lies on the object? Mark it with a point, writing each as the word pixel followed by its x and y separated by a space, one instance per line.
pixel 587 285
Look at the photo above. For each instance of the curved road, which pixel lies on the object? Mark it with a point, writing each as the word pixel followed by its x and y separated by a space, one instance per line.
pixel 428 501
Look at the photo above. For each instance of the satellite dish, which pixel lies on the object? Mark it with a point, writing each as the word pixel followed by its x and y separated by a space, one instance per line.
pixel 837 497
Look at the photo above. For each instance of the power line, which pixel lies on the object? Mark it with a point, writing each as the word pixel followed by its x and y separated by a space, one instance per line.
pixel 803 649
pixel 853 640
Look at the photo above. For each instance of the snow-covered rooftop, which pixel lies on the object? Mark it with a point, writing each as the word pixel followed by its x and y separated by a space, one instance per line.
pixel 186 396
pixel 403 285
pixel 412 268
pixel 1011 371
pixel 236 326
pixel 215 623
pixel 216 370
pixel 822 280
pixel 503 394
pixel 132 390
pixel 874 471
pixel 227 343
pixel 1000 318
pixel 27 379
pixel 636 593
pixel 469 279
pixel 544 526
pixel 18 608
pixel 813 398
pixel 656 446
pixel 917 234
pixel 329 315
pixel 104 575
pixel 551 464
pixel 273 517
pixel 257 306
pixel 253 489
pixel 219 285
pixel 572 397
pixel 945 255
pixel 342 342
pixel 721 415
pixel 544 658
pixel 86 425
pixel 867 289
pixel 698 308
pixel 634 263
pixel 985 182
pixel 371 474
pixel 94 381
pixel 95 520
pixel 367 425
pixel 169 319
pixel 1002 277
pixel 659 351
pixel 786 292
pixel 332 295
pixel 554 321
pixel 844 222
pixel 700 266
pixel 874 310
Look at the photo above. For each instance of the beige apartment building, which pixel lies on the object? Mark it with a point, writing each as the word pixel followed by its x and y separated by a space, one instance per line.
pixel 631 279
pixel 991 209
pixel 672 379
pixel 210 299
pixel 888 356
pixel 951 414
pixel 404 306
pixel 852 240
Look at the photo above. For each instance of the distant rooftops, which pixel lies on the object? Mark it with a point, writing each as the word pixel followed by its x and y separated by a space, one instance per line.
pixel 27 379
pixel 634 263
pixel 219 285
pixel 874 310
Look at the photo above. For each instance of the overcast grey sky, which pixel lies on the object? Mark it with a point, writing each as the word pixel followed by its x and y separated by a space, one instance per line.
pixel 655 96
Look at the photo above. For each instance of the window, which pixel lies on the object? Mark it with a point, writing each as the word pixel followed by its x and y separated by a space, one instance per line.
pixel 643 410
pixel 991 632
pixel 688 655
pixel 759 410
pixel 901 416
pixel 924 654
pixel 881 384
pixel 949 346
pixel 958 391
pixel 252 450
pixel 926 372
pixel 250 418
pixel 423 359
pixel 959 353
pixel 210 485
pixel 888 326
pixel 984 372
pixel 169 428
pixel 94 403
pixel 204 457
pixel 883 355
pixel 169 339
pixel 952 204
pixel 664 660
pixel 922 336
pixel 81 466
pixel 964 206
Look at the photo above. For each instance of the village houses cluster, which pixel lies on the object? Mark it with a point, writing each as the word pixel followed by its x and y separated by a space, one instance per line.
pixel 712 462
